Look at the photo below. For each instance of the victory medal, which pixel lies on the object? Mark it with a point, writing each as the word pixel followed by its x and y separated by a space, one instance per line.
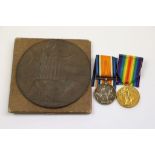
pixel 129 74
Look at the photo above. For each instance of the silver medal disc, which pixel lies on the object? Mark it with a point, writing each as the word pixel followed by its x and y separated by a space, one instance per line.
pixel 105 93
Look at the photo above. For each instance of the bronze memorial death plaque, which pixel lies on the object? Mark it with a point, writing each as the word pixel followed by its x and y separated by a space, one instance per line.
pixel 51 76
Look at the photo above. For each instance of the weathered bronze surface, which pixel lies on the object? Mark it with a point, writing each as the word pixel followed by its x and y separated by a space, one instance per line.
pixel 53 73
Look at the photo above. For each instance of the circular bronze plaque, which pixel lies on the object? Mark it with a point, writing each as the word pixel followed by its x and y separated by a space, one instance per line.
pixel 53 73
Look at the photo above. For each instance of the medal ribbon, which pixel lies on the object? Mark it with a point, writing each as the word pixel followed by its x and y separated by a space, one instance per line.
pixel 105 66
pixel 129 68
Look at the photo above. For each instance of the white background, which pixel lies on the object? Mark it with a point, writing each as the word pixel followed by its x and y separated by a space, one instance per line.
pixel 138 41
pixel 77 13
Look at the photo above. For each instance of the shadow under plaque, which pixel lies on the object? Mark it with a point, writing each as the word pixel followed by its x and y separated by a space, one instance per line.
pixel 51 76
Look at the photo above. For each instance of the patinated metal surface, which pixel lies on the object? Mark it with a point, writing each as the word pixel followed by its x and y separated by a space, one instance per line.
pixel 53 73
pixel 105 93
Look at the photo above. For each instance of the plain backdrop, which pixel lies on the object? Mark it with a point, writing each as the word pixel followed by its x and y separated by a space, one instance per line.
pixel 138 41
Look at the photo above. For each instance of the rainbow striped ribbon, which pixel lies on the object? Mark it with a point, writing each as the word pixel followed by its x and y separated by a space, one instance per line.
pixel 128 70
pixel 105 66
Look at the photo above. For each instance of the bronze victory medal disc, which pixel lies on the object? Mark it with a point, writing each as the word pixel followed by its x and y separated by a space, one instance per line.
pixel 105 94
pixel 53 73
pixel 128 96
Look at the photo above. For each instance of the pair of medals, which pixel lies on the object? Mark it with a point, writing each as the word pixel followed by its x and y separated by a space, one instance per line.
pixel 110 72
